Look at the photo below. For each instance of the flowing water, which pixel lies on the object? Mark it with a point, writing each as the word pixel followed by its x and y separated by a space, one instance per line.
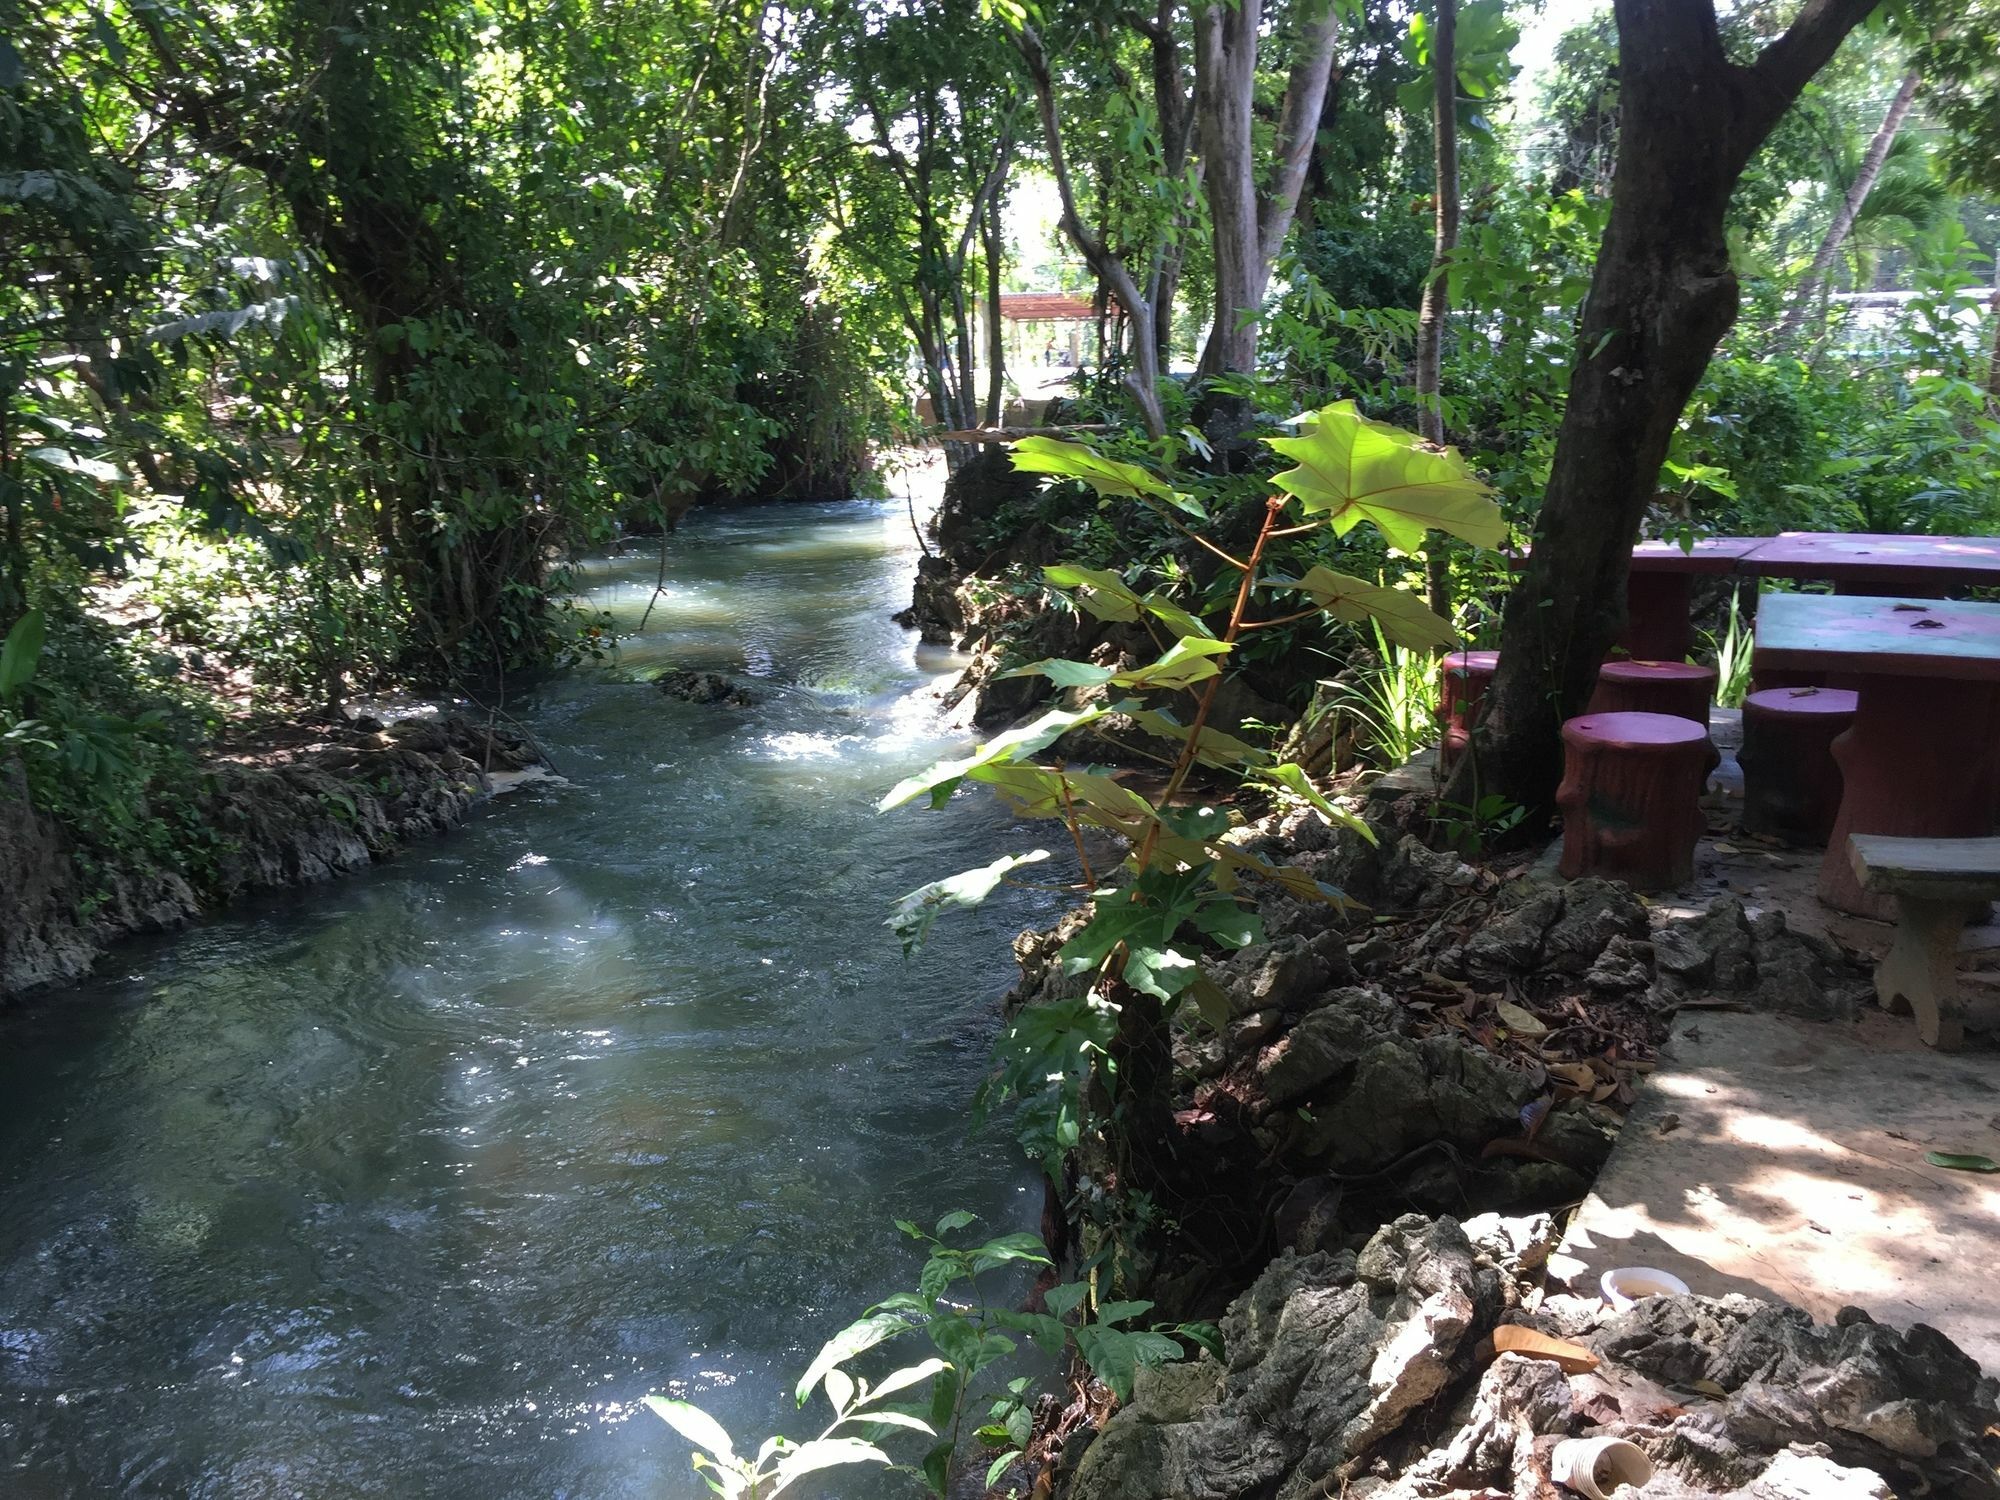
pixel 416 1183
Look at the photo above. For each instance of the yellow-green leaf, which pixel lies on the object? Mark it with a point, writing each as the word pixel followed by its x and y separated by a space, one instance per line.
pixel 1067 460
pixel 1187 661
pixel 1405 619
pixel 1353 469
pixel 1105 594
pixel 1214 748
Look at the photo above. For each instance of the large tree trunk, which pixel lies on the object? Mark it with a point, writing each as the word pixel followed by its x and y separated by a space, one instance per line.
pixel 1864 182
pixel 1661 297
pixel 1993 363
pixel 1225 70
pixel 1437 295
pixel 1249 222
pixel 996 342
pixel 1142 377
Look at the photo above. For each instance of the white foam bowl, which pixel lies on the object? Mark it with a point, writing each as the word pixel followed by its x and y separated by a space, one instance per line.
pixel 1625 1285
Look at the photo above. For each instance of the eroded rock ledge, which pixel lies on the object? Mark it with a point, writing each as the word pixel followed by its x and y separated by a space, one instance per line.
pixel 1372 1374
pixel 279 817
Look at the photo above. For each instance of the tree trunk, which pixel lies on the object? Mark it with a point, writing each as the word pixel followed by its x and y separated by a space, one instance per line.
pixel 1249 225
pixel 1661 296
pixel 1225 70
pixel 1142 376
pixel 1437 295
pixel 996 346
pixel 1807 292
pixel 1993 363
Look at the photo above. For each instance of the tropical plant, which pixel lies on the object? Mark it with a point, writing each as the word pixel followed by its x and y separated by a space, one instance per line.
pixel 969 1335
pixel 1392 702
pixel 1181 888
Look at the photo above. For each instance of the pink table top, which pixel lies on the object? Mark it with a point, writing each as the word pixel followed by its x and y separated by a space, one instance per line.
pixel 1900 637
pixel 1864 557
pixel 1710 554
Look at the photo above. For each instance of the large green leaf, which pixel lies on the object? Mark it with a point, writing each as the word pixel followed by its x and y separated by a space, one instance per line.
pixel 694 1424
pixel 1176 619
pixel 912 915
pixel 1214 748
pixel 1353 469
pixel 825 1453
pixel 1067 460
pixel 1065 674
pixel 1186 662
pixel 1405 619
pixel 856 1338
pixel 22 651
pixel 1293 779
pixel 939 779
pixel 1104 595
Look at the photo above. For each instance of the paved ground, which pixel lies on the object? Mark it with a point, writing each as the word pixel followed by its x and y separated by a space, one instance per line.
pixel 1785 1159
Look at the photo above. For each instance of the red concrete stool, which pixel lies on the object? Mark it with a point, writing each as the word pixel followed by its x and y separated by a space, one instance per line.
pixel 1654 687
pixel 1463 681
pixel 1631 797
pixel 1791 782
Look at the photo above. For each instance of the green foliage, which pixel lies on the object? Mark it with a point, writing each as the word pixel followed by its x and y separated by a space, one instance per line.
pixel 970 1336
pixel 1393 702
pixel 1178 893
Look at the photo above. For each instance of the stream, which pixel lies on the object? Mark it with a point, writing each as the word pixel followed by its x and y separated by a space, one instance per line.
pixel 416 1183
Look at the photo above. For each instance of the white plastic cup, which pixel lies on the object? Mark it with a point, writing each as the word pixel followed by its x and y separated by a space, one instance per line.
pixel 1625 1285
pixel 1596 1467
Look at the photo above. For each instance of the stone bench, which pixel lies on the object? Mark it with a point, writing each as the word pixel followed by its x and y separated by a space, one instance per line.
pixel 1939 885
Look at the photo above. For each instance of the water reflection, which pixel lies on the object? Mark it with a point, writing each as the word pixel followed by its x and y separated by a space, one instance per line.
pixel 417 1184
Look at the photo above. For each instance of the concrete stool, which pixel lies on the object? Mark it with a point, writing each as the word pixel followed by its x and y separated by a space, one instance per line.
pixel 1462 684
pixel 1631 797
pixel 1791 782
pixel 1654 687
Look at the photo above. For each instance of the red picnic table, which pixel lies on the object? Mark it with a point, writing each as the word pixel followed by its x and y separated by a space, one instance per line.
pixel 1866 563
pixel 1919 761
pixel 1660 591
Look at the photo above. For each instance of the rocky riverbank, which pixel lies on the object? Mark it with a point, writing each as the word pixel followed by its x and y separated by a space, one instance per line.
pixel 1373 1372
pixel 1390 1081
pixel 293 809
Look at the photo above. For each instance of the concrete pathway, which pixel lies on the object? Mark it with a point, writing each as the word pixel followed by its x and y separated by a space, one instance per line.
pixel 1785 1159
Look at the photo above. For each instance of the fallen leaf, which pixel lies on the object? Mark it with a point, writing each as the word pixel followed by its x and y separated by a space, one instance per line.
pixel 1959 1162
pixel 1708 1388
pixel 1722 848
pixel 1519 1021
pixel 1572 1359
pixel 1578 1076
pixel 1669 1123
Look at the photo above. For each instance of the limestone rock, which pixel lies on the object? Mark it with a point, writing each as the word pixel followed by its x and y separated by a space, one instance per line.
pixel 1327 1355
pixel 1889 1399
pixel 40 939
pixel 1723 951
pixel 1558 929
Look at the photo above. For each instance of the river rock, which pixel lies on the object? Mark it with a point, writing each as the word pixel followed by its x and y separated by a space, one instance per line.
pixel 692 686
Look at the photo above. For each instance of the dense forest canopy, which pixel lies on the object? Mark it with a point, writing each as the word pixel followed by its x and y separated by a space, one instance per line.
pixel 332 331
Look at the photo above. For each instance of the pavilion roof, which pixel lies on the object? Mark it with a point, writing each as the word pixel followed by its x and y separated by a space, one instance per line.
pixel 1046 307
